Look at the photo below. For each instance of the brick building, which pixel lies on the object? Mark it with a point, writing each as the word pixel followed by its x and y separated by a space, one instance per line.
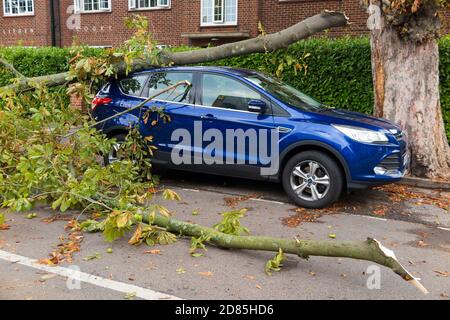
pixel 173 22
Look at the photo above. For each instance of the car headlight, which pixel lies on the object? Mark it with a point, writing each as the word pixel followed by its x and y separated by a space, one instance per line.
pixel 362 135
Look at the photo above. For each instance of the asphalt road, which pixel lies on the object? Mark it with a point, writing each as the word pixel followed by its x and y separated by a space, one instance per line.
pixel 421 243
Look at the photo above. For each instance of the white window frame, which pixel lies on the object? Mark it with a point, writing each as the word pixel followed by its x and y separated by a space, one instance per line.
pixel 11 14
pixel 133 5
pixel 79 7
pixel 218 23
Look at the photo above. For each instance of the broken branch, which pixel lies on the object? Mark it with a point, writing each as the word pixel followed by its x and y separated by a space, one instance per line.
pixel 267 43
pixel 369 250
pixel 8 66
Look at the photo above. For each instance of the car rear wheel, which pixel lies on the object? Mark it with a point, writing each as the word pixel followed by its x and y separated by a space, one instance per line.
pixel 112 156
pixel 312 179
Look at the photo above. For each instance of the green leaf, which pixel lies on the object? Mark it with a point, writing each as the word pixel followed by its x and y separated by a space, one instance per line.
pixel 93 257
pixel 276 263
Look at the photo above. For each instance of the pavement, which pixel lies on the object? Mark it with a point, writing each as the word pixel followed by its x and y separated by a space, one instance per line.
pixel 417 229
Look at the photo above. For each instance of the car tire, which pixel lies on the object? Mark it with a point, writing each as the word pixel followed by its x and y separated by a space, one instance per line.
pixel 109 158
pixel 315 191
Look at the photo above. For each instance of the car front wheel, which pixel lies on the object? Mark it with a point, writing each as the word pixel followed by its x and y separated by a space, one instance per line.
pixel 312 179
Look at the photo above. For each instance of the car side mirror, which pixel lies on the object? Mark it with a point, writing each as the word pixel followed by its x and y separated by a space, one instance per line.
pixel 257 106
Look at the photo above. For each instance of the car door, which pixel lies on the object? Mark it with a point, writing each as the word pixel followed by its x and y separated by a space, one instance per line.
pixel 223 108
pixel 178 112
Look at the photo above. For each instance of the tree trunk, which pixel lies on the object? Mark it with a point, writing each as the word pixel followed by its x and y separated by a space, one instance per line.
pixel 369 250
pixel 406 84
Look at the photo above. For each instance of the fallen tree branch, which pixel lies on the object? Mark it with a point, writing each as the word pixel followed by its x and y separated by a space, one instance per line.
pixel 185 83
pixel 369 250
pixel 8 66
pixel 267 43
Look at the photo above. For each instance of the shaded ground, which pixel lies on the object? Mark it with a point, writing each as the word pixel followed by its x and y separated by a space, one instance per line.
pixel 231 274
pixel 399 202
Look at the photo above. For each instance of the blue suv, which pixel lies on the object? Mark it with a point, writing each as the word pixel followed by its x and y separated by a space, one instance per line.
pixel 243 123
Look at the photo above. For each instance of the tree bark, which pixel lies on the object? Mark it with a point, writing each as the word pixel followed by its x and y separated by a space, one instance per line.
pixel 271 42
pixel 406 84
pixel 10 68
pixel 369 250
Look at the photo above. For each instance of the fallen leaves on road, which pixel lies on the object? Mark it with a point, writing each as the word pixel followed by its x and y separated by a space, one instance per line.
pixel 207 274
pixel 93 257
pixel 156 252
pixel 422 244
pixel 442 273
pixel 234 201
pixel 181 270
pixel 380 210
pixel 302 216
pixel 67 247
pixel 130 296
pixel 399 193
pixel 3 225
pixel 57 217
pixel 396 194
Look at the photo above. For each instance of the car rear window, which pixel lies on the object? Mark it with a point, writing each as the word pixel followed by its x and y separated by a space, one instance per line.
pixel 133 86
pixel 162 80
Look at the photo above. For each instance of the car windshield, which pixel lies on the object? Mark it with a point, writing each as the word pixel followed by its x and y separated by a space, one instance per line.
pixel 286 93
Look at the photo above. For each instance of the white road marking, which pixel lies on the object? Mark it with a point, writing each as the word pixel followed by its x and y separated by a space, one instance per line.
pixel 368 217
pixel 125 288
pixel 191 190
pixel 269 201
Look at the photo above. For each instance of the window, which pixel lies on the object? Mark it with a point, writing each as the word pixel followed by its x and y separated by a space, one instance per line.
pixel 160 81
pixel 148 4
pixel 219 12
pixel 286 93
pixel 223 92
pixel 92 5
pixel 133 86
pixel 18 7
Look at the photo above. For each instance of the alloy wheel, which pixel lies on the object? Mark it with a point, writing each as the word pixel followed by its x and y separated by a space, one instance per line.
pixel 310 181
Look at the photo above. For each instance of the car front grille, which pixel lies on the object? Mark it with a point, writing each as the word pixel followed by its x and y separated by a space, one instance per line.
pixel 391 162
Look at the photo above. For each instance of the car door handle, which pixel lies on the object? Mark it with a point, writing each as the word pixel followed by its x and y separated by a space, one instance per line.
pixel 208 117
pixel 283 130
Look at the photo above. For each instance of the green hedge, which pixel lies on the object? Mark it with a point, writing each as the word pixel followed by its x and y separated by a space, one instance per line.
pixel 33 62
pixel 444 52
pixel 338 74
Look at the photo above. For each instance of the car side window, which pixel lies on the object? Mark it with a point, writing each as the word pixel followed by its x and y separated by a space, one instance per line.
pixel 162 80
pixel 133 86
pixel 223 92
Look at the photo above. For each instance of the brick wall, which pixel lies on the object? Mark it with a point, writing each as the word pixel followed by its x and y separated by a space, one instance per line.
pixel 169 25
pixel 29 30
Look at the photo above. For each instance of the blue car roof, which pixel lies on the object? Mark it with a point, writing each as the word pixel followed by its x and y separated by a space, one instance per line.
pixel 236 71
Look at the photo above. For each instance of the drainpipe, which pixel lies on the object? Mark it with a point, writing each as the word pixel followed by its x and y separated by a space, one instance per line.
pixel 55 23
pixel 52 22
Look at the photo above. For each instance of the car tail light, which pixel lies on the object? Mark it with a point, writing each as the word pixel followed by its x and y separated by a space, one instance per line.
pixel 99 101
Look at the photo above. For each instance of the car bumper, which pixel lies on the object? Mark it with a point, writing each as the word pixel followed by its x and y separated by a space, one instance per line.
pixel 385 165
